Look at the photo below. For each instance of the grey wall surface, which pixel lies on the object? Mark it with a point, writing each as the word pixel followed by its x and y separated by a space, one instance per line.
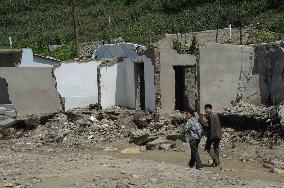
pixel 150 89
pixel 269 64
pixel 225 71
pixel 32 90
pixel 169 58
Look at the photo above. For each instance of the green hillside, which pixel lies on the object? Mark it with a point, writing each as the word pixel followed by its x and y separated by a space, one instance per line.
pixel 36 23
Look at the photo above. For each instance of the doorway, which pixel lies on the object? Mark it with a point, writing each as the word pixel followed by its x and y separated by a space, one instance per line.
pixel 179 88
pixel 140 86
pixel 4 94
pixel 185 87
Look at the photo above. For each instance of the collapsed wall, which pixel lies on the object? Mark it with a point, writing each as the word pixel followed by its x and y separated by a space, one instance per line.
pixel 117 83
pixel 168 60
pixel 118 77
pixel 222 68
pixel 269 65
pixel 243 83
pixel 77 83
pixel 32 90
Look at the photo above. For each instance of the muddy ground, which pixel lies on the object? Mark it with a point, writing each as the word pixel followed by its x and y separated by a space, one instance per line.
pixel 25 162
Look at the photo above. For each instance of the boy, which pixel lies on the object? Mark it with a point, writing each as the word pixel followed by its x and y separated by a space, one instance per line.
pixel 194 131
pixel 213 135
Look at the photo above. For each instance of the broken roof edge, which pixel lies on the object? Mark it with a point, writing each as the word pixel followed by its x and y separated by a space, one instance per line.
pixel 109 62
pixel 47 57
pixel 212 45
pixel 10 51
pixel 275 43
pixel 136 48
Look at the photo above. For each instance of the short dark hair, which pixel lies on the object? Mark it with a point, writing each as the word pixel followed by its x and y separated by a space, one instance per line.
pixel 208 106
pixel 191 112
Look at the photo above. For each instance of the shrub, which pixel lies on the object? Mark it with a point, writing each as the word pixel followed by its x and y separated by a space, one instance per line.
pixel 193 47
pixel 266 37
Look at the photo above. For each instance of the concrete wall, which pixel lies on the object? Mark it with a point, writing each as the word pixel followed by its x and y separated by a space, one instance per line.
pixel 224 71
pixel 29 60
pixel 150 89
pixel 118 85
pixel 169 58
pixel 118 82
pixel 108 86
pixel 269 64
pixel 108 51
pixel 77 83
pixel 125 94
pixel 32 90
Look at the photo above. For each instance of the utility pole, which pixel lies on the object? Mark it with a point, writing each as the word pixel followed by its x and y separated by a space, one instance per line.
pixel 218 20
pixel 241 30
pixel 75 25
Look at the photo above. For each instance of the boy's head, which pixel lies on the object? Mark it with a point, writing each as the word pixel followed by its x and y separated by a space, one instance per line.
pixel 189 114
pixel 208 108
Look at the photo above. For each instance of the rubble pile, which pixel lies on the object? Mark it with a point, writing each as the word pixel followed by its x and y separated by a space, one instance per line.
pixel 231 137
pixel 7 118
pixel 90 126
pixel 83 127
pixel 162 135
pixel 249 110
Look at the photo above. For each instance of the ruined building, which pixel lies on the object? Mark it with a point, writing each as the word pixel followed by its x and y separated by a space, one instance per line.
pixel 156 79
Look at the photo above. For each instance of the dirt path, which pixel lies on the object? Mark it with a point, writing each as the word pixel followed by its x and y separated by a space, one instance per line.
pixel 28 164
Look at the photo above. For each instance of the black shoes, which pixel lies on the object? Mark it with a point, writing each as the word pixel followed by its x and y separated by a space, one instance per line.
pixel 216 164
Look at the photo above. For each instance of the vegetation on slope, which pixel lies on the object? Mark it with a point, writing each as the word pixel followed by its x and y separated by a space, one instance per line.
pixel 37 23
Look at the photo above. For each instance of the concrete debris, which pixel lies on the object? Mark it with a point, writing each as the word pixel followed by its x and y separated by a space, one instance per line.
pixel 82 128
pixel 165 147
pixel 8 116
pixel 133 150
pixel 8 122
pixel 110 149
pixel 139 137
pixel 160 142
pixel 279 171
pixel 249 110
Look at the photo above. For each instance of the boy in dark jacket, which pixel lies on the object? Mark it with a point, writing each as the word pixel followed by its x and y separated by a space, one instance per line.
pixel 213 135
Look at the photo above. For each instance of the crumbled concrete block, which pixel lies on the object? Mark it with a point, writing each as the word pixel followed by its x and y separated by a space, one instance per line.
pixel 8 122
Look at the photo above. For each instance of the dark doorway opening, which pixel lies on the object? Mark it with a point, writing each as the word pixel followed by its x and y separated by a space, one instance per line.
pixel 4 94
pixel 140 86
pixel 185 87
pixel 179 88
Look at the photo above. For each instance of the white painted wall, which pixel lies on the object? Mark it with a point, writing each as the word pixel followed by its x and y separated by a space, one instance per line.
pixel 118 82
pixel 125 84
pixel 108 86
pixel 118 85
pixel 77 83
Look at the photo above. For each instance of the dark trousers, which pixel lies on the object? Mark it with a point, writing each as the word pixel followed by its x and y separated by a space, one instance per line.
pixel 213 152
pixel 194 153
